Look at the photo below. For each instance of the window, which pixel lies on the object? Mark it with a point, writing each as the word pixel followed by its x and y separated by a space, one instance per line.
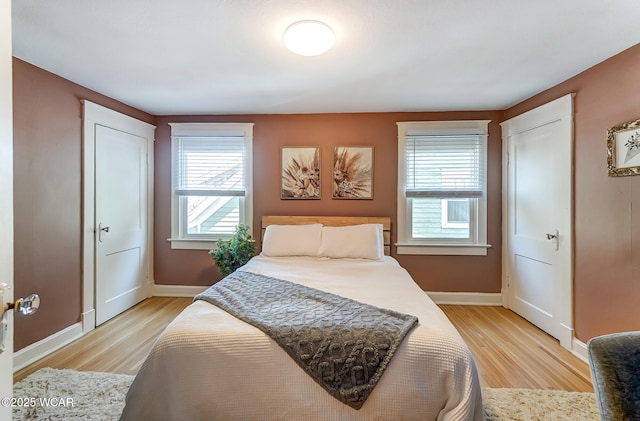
pixel 211 182
pixel 442 187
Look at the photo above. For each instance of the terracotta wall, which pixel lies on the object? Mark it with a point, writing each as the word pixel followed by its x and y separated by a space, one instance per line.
pixel 47 141
pixel 47 127
pixel 48 184
pixel 607 209
pixel 271 132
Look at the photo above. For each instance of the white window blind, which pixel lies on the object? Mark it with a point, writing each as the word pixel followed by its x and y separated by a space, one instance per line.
pixel 211 166
pixel 445 166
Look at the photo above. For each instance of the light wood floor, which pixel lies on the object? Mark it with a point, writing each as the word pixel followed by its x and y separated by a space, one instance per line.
pixel 508 350
pixel 511 352
pixel 118 346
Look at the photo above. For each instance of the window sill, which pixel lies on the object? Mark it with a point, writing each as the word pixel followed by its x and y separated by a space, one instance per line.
pixel 443 249
pixel 191 244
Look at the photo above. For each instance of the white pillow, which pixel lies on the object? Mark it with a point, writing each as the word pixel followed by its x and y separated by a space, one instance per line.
pixel 292 240
pixel 363 241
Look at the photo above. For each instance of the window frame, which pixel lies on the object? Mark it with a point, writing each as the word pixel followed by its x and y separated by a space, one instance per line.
pixel 180 238
pixel 444 219
pixel 476 244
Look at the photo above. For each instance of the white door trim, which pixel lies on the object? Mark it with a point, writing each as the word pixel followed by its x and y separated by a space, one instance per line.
pixel 6 204
pixel 94 114
pixel 560 109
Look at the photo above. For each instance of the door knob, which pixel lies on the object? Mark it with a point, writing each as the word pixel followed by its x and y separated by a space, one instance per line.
pixel 25 306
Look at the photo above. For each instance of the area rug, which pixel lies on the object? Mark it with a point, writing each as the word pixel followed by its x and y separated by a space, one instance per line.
pixel 50 394
pixel 538 405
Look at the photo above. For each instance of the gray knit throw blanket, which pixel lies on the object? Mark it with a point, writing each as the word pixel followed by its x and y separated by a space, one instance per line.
pixel 343 344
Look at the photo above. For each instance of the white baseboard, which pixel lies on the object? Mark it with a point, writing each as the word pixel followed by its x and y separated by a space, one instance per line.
pixel 566 336
pixel 176 290
pixel 46 346
pixel 88 319
pixel 579 349
pixel 466 298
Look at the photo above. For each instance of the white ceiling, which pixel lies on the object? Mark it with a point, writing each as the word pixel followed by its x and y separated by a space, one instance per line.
pixel 227 57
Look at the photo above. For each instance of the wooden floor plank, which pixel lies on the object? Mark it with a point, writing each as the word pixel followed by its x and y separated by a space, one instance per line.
pixel 509 351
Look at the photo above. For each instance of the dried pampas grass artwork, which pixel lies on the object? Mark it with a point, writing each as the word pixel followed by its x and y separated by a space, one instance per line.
pixel 353 172
pixel 300 173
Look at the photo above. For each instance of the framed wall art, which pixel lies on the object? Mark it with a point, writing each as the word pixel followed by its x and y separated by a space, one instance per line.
pixel 300 172
pixel 352 172
pixel 623 149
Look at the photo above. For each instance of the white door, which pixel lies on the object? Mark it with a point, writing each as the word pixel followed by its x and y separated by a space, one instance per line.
pixel 121 221
pixel 117 212
pixel 6 203
pixel 538 217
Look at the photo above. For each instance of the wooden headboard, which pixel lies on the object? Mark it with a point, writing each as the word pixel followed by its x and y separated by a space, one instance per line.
pixel 332 221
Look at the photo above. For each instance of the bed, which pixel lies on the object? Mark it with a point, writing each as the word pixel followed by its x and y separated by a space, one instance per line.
pixel 210 365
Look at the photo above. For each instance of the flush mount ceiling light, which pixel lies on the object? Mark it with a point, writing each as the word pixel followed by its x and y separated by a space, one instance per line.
pixel 309 38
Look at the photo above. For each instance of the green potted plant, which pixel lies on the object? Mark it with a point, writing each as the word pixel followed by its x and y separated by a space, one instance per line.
pixel 230 254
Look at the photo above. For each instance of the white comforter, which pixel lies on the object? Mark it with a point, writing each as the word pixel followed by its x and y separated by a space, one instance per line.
pixel 208 365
